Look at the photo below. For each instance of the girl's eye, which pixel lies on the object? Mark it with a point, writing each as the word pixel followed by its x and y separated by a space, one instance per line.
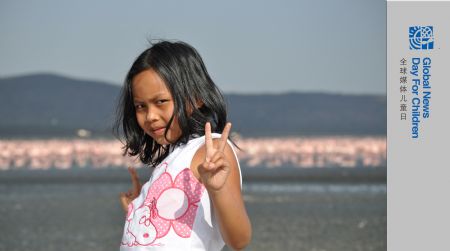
pixel 161 101
pixel 137 107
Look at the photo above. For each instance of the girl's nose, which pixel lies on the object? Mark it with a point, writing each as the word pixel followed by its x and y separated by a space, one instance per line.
pixel 151 115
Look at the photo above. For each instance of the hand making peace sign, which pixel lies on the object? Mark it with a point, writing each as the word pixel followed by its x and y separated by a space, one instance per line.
pixel 133 193
pixel 215 169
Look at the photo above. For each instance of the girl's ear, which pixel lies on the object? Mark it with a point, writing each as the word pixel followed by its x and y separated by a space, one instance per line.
pixel 199 104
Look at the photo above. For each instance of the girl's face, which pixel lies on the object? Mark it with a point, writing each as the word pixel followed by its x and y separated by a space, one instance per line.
pixel 154 106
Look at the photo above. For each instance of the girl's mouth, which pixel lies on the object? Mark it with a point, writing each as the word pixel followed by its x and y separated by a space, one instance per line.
pixel 159 131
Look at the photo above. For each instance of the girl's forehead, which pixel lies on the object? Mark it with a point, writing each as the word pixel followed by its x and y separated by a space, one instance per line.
pixel 147 84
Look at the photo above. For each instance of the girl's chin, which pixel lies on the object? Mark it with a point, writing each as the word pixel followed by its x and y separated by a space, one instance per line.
pixel 162 142
pixel 160 139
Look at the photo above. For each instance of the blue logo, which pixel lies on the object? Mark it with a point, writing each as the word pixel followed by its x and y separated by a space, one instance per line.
pixel 421 38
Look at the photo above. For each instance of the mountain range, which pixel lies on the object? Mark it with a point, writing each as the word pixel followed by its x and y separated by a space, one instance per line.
pixel 47 105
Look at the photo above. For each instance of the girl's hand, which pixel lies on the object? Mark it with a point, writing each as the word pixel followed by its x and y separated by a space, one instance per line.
pixel 215 169
pixel 126 198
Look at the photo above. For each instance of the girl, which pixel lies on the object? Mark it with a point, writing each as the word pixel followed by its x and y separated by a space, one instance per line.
pixel 171 114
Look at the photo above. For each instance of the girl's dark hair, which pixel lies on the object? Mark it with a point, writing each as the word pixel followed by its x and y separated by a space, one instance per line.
pixel 184 73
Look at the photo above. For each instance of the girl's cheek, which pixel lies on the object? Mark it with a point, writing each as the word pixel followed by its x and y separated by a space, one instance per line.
pixel 141 121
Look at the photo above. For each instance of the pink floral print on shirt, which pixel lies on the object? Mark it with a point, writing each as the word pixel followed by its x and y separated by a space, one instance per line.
pixel 168 203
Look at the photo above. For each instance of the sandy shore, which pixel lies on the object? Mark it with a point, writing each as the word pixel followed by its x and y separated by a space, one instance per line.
pixel 288 216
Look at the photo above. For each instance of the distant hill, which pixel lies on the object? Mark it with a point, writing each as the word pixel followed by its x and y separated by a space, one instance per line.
pixel 308 114
pixel 45 105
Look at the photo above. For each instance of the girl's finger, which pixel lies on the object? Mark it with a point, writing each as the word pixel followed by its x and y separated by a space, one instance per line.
pixel 224 137
pixel 136 184
pixel 124 202
pixel 219 163
pixel 217 155
pixel 208 141
pixel 204 167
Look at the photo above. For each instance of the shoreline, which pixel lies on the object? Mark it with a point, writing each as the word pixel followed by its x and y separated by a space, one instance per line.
pixel 278 175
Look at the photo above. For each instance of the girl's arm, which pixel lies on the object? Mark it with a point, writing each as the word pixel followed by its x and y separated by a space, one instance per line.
pixel 216 167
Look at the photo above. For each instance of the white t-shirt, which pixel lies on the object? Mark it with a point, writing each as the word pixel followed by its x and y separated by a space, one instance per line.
pixel 173 211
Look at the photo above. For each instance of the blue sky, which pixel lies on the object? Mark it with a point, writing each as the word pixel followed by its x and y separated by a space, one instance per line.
pixel 248 46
